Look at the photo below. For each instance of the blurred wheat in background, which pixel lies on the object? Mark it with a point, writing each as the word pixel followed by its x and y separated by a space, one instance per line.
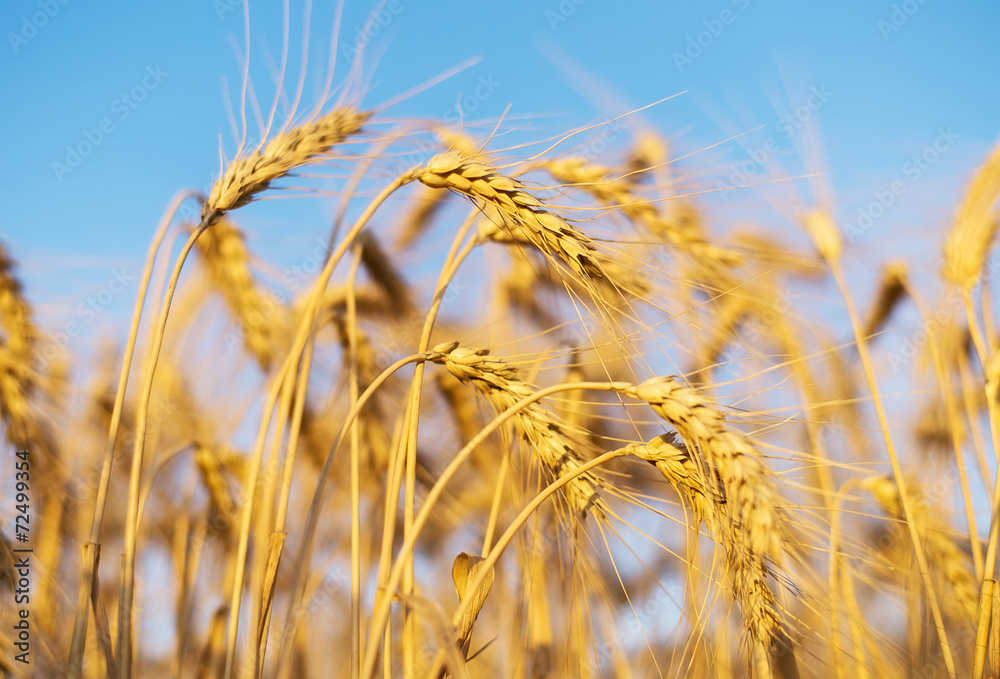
pixel 527 413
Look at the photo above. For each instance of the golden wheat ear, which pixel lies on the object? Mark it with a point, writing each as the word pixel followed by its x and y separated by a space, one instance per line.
pixel 261 316
pixel 750 525
pixel 18 379
pixel 249 174
pixel 975 227
pixel 891 292
pixel 523 215
pixel 683 230
pixel 499 383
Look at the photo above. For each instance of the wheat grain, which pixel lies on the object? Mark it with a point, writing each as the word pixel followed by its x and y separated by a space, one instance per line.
pixel 751 526
pixel 227 262
pixel 971 238
pixel 251 173
pixel 498 381
pixel 523 216
pixel 430 200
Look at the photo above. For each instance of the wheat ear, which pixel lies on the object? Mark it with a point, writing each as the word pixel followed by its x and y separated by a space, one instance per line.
pixel 750 525
pixel 941 549
pixel 975 226
pixel 597 181
pixel 227 262
pixel 17 376
pixel 252 173
pixel 498 381
pixel 523 215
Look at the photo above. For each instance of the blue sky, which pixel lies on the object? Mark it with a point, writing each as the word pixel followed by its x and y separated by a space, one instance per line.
pixel 881 83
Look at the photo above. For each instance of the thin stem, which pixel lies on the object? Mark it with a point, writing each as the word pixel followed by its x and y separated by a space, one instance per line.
pixel 495 507
pixel 498 549
pixel 125 609
pixel 91 552
pixel 293 357
pixel 380 615
pixel 260 614
pixel 897 470
pixel 352 332
pixel 991 386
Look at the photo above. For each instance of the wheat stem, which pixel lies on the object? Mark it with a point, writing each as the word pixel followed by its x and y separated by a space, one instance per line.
pixel 352 325
pixel 897 471
pixel 380 613
pixel 125 609
pixel 90 557
pixel 293 358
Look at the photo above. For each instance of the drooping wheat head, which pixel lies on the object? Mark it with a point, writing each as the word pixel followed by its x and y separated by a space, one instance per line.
pixel 261 316
pixel 751 523
pixel 498 381
pixel 251 173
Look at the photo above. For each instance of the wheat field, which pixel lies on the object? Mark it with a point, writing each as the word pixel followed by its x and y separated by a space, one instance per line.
pixel 525 411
